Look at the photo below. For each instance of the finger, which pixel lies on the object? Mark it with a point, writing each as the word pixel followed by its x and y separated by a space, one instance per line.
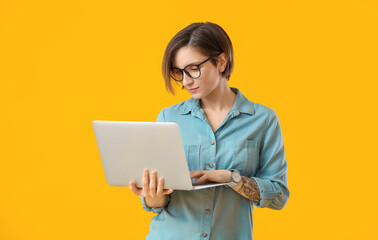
pixel 160 186
pixel 193 173
pixel 168 191
pixel 153 183
pixel 196 174
pixel 134 189
pixel 202 178
pixel 145 182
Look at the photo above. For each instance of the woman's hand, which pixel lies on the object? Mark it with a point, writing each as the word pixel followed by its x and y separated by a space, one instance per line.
pixel 219 176
pixel 152 189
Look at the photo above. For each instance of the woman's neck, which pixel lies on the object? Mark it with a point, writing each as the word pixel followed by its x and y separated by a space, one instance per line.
pixel 221 99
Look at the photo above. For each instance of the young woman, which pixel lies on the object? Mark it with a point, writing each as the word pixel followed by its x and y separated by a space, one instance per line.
pixel 227 139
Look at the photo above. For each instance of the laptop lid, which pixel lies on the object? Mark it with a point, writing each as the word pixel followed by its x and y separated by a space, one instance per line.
pixel 126 148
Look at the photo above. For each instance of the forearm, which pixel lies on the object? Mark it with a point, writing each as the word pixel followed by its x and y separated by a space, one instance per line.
pixel 248 188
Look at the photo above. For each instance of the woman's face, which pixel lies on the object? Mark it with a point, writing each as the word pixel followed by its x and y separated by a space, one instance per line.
pixel 211 76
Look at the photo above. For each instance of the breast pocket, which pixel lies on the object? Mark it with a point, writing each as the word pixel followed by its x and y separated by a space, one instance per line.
pixel 239 155
pixel 192 154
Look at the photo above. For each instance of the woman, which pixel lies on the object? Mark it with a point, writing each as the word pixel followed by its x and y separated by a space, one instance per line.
pixel 227 139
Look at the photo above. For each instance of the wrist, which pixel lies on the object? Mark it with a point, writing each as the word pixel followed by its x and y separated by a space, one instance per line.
pixel 228 176
pixel 156 202
pixel 235 178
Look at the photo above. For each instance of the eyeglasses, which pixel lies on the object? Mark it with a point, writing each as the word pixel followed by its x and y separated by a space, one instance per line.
pixel 192 71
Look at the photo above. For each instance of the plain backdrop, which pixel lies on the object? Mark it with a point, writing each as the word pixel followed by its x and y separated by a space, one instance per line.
pixel 66 63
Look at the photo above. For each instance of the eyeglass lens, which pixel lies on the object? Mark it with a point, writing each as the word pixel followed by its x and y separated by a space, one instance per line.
pixel 192 71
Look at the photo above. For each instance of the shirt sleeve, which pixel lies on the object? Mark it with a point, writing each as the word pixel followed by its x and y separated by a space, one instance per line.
pixel 155 210
pixel 160 118
pixel 271 178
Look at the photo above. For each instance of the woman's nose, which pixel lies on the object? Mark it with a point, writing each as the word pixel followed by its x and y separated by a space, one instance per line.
pixel 186 80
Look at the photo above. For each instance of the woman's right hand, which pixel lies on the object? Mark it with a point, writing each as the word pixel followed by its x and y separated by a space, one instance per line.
pixel 152 189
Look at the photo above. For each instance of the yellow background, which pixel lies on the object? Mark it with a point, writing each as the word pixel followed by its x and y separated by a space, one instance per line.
pixel 66 63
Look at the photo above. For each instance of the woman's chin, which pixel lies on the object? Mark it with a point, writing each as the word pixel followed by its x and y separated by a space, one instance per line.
pixel 195 97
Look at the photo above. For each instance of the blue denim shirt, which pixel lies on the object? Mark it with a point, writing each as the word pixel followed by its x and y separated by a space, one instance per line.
pixel 250 140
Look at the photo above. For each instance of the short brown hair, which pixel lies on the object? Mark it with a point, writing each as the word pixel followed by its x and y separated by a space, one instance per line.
pixel 209 38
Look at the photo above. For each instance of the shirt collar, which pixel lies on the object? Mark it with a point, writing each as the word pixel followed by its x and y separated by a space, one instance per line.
pixel 241 105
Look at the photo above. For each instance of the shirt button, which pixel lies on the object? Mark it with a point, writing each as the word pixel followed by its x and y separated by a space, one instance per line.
pixel 205 234
pixel 207 211
pixel 211 165
pixel 280 194
pixel 212 142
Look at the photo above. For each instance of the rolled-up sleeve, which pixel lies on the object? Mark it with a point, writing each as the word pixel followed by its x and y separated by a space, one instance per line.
pixel 160 118
pixel 271 178
pixel 155 210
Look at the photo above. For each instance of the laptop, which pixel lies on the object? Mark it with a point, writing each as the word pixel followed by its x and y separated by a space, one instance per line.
pixel 126 148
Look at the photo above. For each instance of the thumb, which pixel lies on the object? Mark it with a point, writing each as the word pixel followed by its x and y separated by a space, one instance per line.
pixel 169 191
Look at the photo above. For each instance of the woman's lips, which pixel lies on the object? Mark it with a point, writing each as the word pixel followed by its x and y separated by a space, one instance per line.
pixel 192 90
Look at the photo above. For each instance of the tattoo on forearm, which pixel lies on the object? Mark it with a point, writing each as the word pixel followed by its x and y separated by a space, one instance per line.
pixel 249 189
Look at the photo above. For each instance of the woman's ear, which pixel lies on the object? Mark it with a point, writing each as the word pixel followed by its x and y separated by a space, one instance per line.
pixel 222 62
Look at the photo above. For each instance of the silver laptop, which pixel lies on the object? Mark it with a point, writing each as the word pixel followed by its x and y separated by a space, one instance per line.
pixel 126 148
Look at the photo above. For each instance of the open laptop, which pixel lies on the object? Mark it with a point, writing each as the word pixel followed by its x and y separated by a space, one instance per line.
pixel 126 148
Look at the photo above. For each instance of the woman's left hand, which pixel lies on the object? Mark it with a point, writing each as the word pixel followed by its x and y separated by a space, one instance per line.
pixel 219 176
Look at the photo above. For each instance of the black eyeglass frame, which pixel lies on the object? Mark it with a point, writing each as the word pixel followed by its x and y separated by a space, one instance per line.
pixel 191 65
